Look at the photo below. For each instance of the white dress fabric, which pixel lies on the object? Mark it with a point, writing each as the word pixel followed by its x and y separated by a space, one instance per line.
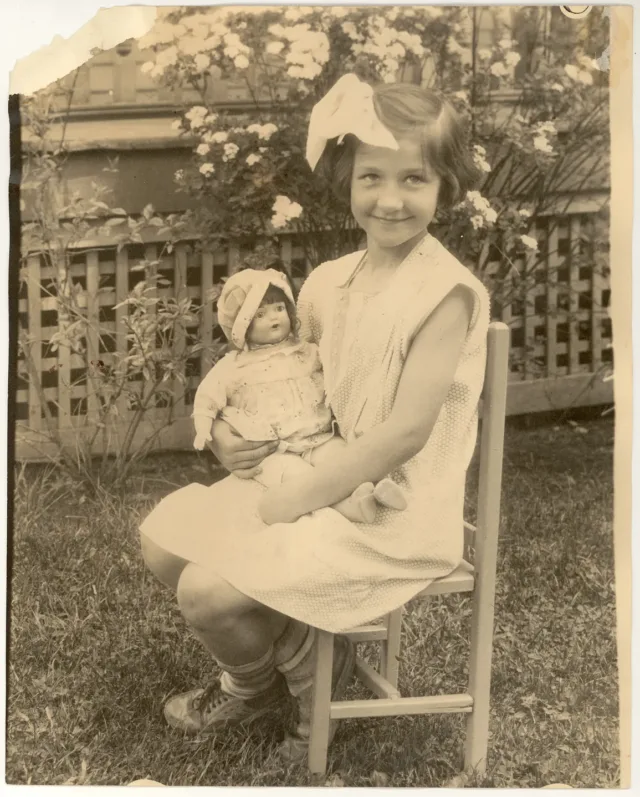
pixel 323 569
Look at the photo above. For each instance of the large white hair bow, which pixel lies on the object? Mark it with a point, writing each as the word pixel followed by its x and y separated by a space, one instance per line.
pixel 346 108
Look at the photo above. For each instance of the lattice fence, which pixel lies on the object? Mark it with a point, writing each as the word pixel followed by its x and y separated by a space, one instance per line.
pixel 561 331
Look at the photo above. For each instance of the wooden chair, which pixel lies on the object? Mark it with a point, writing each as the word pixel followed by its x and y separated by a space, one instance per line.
pixel 477 577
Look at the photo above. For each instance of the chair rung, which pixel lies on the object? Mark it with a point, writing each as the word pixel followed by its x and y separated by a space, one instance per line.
pixel 373 680
pixel 399 706
pixel 368 633
pixel 461 580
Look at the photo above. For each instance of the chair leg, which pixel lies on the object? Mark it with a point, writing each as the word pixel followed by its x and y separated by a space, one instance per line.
pixel 477 739
pixel 320 707
pixel 390 651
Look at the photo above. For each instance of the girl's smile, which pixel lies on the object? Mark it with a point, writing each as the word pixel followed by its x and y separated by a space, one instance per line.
pixel 394 194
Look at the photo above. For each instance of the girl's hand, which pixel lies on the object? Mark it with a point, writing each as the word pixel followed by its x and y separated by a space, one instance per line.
pixel 277 506
pixel 239 456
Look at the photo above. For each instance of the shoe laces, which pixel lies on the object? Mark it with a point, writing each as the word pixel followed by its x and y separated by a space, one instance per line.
pixel 211 698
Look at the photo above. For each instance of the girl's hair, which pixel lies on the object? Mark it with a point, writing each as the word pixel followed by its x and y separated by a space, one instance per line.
pixel 408 110
pixel 274 295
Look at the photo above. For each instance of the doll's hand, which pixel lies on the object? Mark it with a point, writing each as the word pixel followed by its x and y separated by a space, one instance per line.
pixel 277 506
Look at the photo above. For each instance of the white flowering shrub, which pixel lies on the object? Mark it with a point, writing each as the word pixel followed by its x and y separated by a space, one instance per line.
pixel 249 174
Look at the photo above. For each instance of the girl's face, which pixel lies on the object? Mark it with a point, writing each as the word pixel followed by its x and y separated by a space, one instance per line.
pixel 394 193
pixel 270 325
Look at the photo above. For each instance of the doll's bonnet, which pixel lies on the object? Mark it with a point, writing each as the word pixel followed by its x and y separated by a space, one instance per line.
pixel 241 297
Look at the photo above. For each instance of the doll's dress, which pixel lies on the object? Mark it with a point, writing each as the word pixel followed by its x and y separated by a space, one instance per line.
pixel 323 569
pixel 270 393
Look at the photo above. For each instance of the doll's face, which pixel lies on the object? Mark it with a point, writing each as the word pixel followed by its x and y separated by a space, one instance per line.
pixel 270 325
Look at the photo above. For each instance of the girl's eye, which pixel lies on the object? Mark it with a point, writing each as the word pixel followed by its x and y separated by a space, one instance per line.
pixel 368 178
pixel 416 179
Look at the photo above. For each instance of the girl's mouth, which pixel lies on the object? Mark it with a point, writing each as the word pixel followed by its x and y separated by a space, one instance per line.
pixel 390 221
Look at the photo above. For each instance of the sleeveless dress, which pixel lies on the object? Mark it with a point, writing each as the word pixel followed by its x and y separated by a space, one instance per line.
pixel 323 569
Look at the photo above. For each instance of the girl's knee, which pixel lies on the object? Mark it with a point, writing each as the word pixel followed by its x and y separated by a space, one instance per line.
pixel 165 566
pixel 206 599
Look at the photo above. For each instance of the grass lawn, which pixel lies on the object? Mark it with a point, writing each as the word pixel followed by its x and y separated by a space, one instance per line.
pixel 96 646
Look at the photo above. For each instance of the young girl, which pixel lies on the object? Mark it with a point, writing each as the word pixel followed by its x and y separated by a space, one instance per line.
pixel 401 330
pixel 271 388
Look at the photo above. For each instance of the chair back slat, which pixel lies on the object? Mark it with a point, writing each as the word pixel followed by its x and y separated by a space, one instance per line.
pixel 492 438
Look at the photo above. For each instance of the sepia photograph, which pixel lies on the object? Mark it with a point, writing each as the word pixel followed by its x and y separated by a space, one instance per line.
pixel 311 415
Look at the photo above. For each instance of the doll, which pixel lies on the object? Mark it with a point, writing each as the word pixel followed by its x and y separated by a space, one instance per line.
pixel 271 388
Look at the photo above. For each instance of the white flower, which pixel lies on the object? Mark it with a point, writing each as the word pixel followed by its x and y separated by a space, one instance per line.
pixel 484 55
pixel 462 95
pixel 512 59
pixel 202 149
pixel 481 163
pixel 202 62
pixel 206 169
pixel 490 215
pixel 585 77
pixel 277 30
pixel 557 87
pixel 529 242
pixel 479 158
pixel 176 124
pixel 572 71
pixel 498 69
pixel 264 132
pixel 192 45
pixel 284 210
pixel 477 221
pixel 167 57
pixel 548 128
pixel 147 67
pixel 293 14
pixel 230 151
pixel 588 63
pixel 253 159
pixel 526 214
pixel 219 137
pixel 275 47
pixel 241 62
pixel 542 144
pixel 477 200
pixel 506 44
pixel 481 204
pixel 196 116
pixel 262 150
pixel 349 29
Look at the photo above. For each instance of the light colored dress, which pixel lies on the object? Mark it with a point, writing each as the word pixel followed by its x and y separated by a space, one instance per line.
pixel 323 569
pixel 270 393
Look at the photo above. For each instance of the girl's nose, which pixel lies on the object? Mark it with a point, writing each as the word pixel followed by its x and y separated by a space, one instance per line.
pixel 389 199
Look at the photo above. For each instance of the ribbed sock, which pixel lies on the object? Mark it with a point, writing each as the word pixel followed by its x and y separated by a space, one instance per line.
pixel 294 654
pixel 249 680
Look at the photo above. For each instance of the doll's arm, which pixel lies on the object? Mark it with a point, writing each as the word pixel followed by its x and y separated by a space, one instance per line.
pixel 385 447
pixel 209 401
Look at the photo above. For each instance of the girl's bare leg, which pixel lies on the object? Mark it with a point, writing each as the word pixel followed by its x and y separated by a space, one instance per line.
pixel 233 627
